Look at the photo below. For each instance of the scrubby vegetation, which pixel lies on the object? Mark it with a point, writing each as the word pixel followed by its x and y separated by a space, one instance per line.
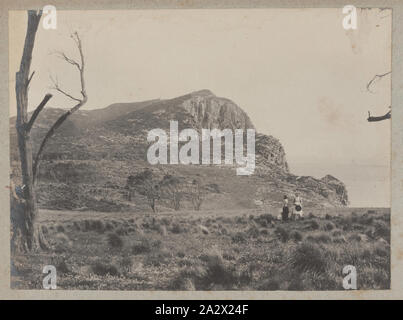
pixel 200 250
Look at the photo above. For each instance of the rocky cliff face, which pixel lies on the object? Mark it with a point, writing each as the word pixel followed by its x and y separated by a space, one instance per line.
pixel 96 150
pixel 270 150
pixel 208 111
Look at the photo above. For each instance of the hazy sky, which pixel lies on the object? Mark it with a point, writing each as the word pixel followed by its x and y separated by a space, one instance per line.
pixel 298 74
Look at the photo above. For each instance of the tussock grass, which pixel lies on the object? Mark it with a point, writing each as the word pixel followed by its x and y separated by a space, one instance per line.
pixel 102 269
pixel 169 251
pixel 115 241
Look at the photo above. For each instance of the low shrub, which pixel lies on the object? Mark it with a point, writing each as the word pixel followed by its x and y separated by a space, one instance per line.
pixel 355 237
pixel 145 245
pixel 253 232
pixel 115 241
pixel 337 233
pixel 270 285
pixel 177 228
pixel 282 234
pixel 314 225
pixel 44 229
pixel 62 267
pixel 102 269
pixel 339 240
pixel 157 258
pixel 126 263
pixel 239 237
pixel 382 229
pixel 308 257
pixel 296 235
pixel 264 220
pixel 329 226
pixel 62 243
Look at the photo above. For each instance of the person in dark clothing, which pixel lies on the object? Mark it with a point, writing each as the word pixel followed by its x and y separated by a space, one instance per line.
pixel 285 209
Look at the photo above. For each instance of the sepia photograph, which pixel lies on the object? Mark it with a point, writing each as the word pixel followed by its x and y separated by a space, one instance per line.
pixel 200 149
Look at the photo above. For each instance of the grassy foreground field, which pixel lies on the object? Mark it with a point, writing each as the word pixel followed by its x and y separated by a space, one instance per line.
pixel 226 250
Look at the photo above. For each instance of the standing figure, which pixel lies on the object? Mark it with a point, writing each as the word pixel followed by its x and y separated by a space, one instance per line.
pixel 298 206
pixel 285 209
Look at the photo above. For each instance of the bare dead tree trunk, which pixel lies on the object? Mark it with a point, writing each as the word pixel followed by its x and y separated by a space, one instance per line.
pixel 27 234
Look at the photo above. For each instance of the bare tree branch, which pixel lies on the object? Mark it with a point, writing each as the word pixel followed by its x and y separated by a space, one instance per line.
pixel 64 57
pixel 62 118
pixel 379 118
pixel 30 78
pixel 57 88
pixel 375 78
pixel 37 111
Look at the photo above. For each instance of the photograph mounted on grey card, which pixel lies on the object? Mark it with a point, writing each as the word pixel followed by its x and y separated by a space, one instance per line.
pixel 232 149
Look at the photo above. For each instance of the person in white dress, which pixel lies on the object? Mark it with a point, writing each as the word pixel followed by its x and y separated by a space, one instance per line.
pixel 298 206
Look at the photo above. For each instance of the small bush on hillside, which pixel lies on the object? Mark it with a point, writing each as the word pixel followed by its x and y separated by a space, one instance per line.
pixel 115 241
pixel 264 231
pixel 102 269
pixel 177 228
pixel 253 232
pixel 270 285
pixel 86 225
pixel 381 251
pixel 76 225
pixel 157 258
pixel 44 229
pixel 329 226
pixel 218 272
pixel 241 220
pixel 62 267
pixel 337 233
pixel 355 237
pixel 62 243
pixel 239 237
pixel 186 278
pixel 382 229
pixel 296 284
pixel 314 225
pixel 366 219
pixel 98 225
pixel 122 231
pixel 339 240
pixel 296 235
pixel 319 237
pixel 282 234
pixel 145 245
pixel 264 220
pixel 126 263
pixel 109 226
pixel 308 257
pixel 166 221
